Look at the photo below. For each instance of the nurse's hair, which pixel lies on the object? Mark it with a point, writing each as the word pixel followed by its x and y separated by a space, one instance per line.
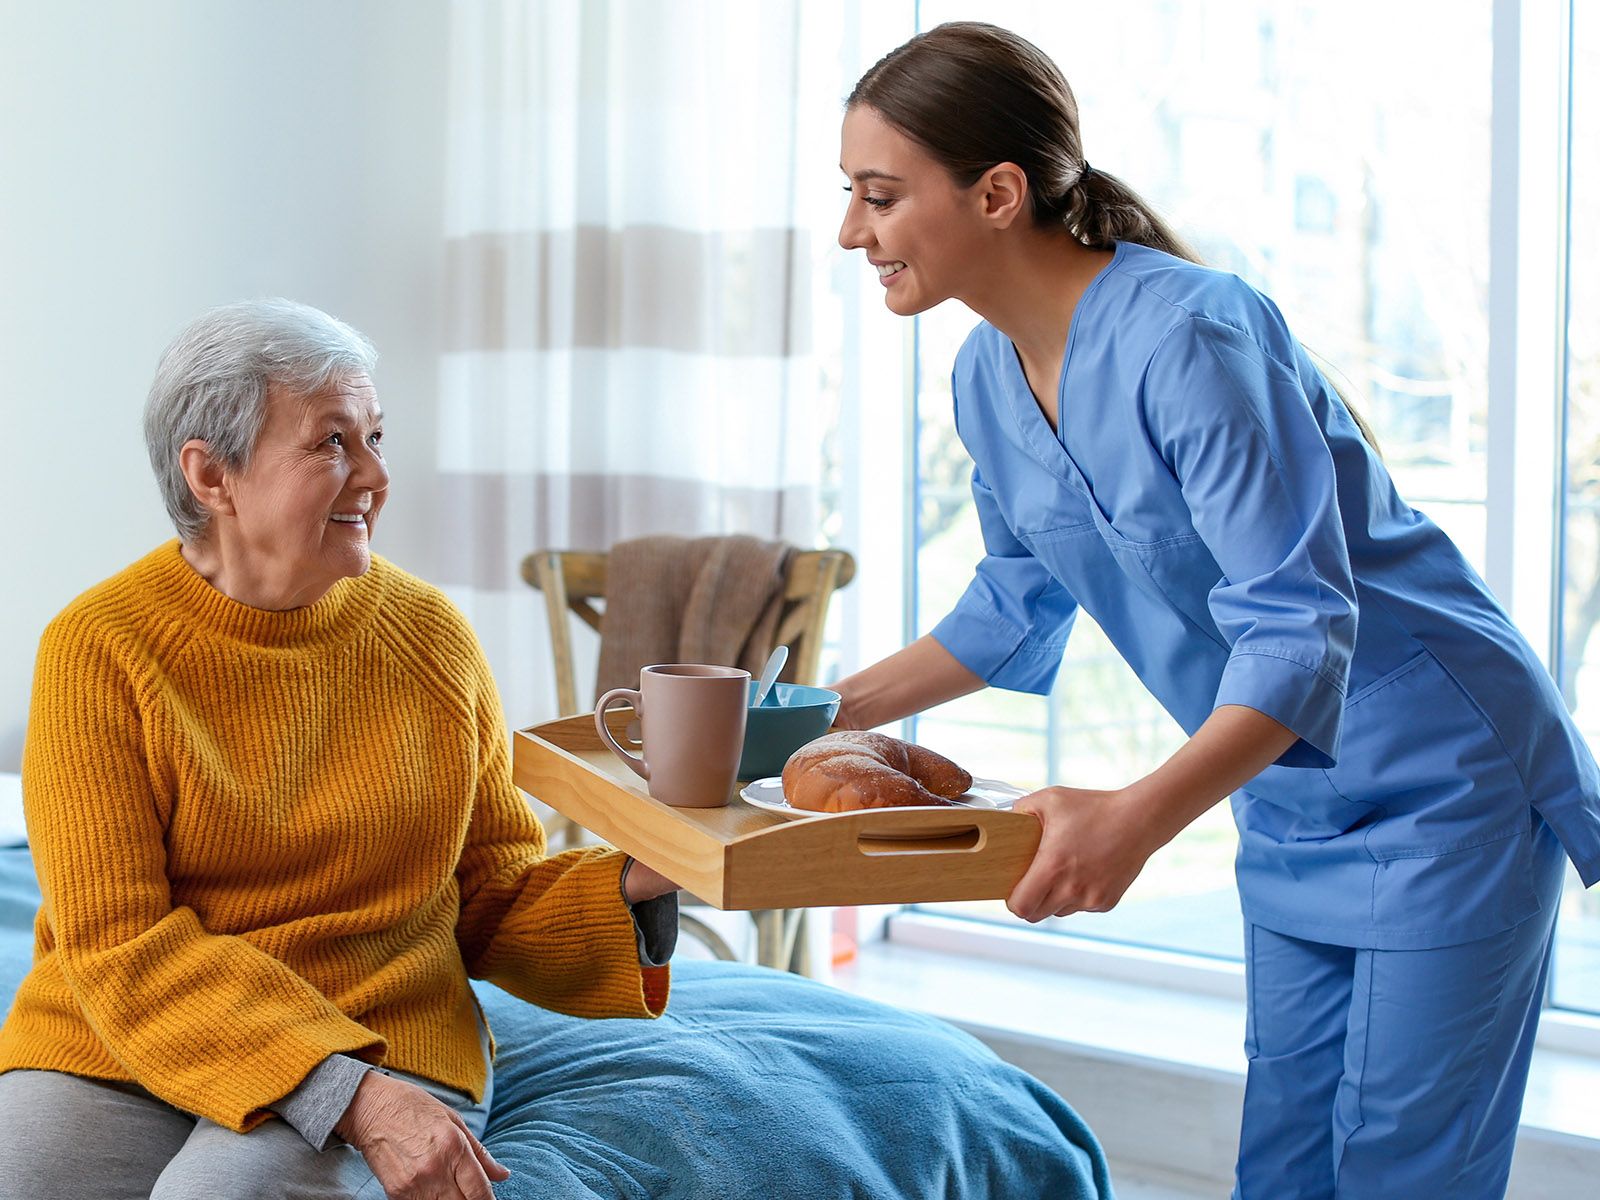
pixel 973 95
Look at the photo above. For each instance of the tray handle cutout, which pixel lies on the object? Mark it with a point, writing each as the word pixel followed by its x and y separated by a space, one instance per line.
pixel 961 839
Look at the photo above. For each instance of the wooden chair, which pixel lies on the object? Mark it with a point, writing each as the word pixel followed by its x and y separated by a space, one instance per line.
pixel 572 580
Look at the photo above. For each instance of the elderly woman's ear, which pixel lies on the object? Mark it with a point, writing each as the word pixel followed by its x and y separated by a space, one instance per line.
pixel 206 477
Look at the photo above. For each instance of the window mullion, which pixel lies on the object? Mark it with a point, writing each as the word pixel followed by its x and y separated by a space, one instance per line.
pixel 1524 254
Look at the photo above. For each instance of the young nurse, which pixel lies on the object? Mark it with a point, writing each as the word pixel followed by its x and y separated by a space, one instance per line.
pixel 1151 442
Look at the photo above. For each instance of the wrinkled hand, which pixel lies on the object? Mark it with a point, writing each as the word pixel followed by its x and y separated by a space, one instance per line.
pixel 418 1147
pixel 645 883
pixel 1091 850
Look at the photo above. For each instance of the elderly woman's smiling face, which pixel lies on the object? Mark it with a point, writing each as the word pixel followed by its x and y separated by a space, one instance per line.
pixel 298 518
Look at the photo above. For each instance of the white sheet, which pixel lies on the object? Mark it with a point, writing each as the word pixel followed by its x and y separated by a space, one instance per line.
pixel 12 830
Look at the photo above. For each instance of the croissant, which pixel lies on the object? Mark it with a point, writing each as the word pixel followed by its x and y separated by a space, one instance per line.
pixel 840 772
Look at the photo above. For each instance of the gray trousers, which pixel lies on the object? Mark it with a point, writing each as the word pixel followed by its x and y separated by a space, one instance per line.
pixel 63 1137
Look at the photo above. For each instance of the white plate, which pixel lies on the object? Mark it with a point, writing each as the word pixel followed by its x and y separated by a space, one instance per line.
pixel 767 795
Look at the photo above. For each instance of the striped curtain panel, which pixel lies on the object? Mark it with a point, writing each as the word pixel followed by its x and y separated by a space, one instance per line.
pixel 628 294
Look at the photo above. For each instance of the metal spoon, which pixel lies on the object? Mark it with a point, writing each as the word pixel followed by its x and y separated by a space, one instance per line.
pixel 769 673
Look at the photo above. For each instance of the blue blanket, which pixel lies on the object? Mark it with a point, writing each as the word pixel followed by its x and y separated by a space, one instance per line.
pixel 754 1084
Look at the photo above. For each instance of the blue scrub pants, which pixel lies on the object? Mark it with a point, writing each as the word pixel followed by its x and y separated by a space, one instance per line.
pixel 1376 1073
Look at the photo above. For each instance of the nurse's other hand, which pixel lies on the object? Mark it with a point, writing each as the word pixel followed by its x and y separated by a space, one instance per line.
pixel 846 717
pixel 1090 850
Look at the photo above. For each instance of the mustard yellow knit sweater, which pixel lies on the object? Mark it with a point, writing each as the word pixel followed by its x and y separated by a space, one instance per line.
pixel 267 837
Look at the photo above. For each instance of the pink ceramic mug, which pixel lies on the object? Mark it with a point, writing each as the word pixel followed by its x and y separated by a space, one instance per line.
pixel 692 718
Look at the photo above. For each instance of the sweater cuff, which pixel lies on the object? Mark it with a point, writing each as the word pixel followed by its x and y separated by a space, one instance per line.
pixel 316 1106
pixel 655 923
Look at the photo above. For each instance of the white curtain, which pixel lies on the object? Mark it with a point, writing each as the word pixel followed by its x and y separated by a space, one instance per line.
pixel 628 295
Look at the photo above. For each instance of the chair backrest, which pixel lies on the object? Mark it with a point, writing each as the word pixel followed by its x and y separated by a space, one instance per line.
pixel 572 580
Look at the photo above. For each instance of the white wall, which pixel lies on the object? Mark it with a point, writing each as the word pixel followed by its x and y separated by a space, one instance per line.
pixel 161 157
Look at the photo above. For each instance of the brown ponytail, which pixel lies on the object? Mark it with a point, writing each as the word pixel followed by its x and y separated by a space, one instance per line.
pixel 974 95
pixel 1101 210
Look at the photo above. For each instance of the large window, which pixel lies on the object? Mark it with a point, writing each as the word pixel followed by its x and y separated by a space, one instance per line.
pixel 1362 210
pixel 1361 181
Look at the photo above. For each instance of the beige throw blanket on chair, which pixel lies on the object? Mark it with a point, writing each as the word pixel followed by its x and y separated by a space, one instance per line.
pixel 690 600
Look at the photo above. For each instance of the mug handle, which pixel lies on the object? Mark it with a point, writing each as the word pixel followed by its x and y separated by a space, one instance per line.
pixel 634 761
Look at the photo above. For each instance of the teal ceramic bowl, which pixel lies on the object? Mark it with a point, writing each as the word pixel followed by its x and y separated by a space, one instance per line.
pixel 792 716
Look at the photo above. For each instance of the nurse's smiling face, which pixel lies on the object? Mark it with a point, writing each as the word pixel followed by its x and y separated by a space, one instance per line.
pixel 922 232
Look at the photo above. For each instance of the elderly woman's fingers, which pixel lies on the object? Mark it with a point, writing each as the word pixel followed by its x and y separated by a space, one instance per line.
pixel 492 1168
pixel 471 1182
pixel 416 1146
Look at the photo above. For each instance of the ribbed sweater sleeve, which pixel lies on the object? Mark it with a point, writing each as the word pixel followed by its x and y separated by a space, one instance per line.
pixel 554 931
pixel 208 1023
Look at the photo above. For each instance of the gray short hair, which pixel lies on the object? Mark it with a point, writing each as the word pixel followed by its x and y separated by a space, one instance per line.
pixel 212 384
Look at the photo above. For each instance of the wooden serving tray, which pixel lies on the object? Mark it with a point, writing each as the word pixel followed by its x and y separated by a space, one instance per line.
pixel 740 857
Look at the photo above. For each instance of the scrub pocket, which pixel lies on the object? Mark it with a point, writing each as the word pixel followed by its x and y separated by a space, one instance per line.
pixel 1178 572
pixel 1420 773
pixel 1439 848
pixel 1417 747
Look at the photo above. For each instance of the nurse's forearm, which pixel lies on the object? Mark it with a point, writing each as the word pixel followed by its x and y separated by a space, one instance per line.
pixel 1094 843
pixel 908 681
pixel 1234 745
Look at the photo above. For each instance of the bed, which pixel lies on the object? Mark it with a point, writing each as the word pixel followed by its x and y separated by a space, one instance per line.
pixel 754 1084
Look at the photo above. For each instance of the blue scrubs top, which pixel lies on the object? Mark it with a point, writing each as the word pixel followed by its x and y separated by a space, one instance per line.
pixel 1211 503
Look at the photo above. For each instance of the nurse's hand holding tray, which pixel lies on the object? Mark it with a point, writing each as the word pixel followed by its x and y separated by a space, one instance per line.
pixel 692 720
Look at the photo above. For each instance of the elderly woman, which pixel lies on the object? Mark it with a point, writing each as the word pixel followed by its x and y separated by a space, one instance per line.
pixel 270 801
